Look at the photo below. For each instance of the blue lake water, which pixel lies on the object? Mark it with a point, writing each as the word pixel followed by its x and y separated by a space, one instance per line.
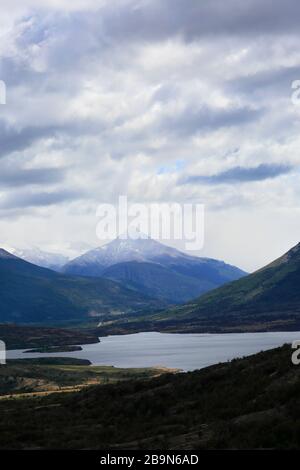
pixel 183 351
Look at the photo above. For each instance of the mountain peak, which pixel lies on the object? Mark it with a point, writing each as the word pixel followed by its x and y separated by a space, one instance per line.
pixel 295 249
pixel 293 255
pixel 41 258
pixel 6 255
pixel 122 249
pixel 294 252
pixel 132 235
pixel 155 269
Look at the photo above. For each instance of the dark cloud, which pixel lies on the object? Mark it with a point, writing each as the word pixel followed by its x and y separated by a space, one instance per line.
pixel 240 175
pixel 157 20
pixel 192 120
pixel 15 177
pixel 80 36
pixel 13 139
pixel 40 199
pixel 276 80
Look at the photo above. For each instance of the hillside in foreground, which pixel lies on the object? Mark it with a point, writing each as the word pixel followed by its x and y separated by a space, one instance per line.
pixel 246 404
pixel 43 376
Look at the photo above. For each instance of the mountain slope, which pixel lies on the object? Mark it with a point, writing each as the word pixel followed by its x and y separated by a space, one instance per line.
pixel 29 293
pixel 157 281
pixel 41 258
pixel 120 251
pixel 264 299
pixel 180 277
pixel 249 403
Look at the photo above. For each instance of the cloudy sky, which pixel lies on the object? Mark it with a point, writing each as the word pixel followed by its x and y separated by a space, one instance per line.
pixel 159 100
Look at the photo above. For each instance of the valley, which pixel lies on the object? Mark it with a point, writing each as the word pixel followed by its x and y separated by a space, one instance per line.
pixel 33 295
pixel 185 386
pixel 267 300
pixel 250 403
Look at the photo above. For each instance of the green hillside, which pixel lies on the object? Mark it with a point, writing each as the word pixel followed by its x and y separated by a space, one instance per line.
pixel 31 294
pixel 266 299
pixel 158 281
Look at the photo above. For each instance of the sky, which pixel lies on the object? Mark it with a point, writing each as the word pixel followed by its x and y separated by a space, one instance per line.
pixel 159 100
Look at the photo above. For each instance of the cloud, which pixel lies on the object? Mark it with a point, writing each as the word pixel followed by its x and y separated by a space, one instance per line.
pixel 190 120
pixel 38 199
pixel 13 139
pixel 155 20
pixel 105 98
pixel 240 175
pixel 14 176
pixel 275 80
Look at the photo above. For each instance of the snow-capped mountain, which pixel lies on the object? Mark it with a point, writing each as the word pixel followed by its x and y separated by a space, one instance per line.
pixel 41 258
pixel 33 294
pixel 176 276
pixel 145 249
pixel 5 254
pixel 120 251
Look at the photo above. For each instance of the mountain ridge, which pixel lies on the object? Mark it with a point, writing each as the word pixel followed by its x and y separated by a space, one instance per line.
pixel 171 264
pixel 41 258
pixel 271 293
pixel 33 294
pixel 266 300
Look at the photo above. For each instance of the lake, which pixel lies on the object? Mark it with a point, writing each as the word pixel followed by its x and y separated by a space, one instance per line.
pixel 183 351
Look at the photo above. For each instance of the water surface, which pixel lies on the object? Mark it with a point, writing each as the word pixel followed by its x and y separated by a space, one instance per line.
pixel 183 351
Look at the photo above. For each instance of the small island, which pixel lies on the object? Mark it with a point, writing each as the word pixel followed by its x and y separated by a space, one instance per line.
pixel 55 349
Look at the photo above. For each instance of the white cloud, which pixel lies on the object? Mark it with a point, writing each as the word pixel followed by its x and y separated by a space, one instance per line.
pixel 113 96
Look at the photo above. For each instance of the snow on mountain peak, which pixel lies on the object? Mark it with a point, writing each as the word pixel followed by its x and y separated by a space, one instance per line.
pixel 5 254
pixel 41 258
pixel 142 248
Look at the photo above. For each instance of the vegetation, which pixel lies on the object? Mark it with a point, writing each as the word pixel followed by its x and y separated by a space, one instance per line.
pixel 154 269
pixel 31 294
pixel 175 279
pixel 45 375
pixel 268 300
pixel 23 337
pixel 54 349
pixel 157 281
pixel 249 403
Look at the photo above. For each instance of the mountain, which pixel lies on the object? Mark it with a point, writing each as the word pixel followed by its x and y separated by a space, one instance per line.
pixel 155 269
pixel 94 262
pixel 268 299
pixel 155 280
pixel 31 294
pixel 41 258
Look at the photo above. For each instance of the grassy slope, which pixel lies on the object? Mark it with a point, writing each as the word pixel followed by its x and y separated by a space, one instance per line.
pixel 32 294
pixel 266 300
pixel 23 376
pixel 248 403
pixel 157 281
